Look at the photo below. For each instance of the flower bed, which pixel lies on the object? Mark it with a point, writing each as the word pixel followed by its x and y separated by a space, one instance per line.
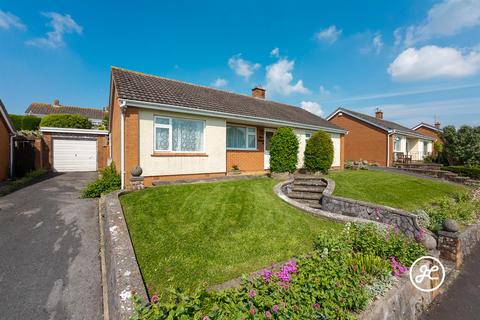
pixel 335 281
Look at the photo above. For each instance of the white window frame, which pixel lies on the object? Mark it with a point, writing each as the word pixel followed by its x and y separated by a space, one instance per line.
pixel 246 137
pixel 308 135
pixel 399 143
pixel 170 134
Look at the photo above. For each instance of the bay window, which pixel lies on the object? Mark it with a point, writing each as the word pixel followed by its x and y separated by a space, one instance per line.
pixel 241 138
pixel 178 135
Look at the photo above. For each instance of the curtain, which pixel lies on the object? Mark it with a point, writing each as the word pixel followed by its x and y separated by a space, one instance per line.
pixel 187 135
pixel 161 141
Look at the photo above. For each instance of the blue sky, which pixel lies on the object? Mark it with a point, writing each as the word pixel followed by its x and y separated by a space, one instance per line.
pixel 416 60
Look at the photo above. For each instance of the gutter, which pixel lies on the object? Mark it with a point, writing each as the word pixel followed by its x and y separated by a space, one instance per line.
pixel 123 109
pixel 230 116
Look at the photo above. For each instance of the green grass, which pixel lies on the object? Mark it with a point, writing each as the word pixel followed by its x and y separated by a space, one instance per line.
pixel 185 235
pixel 391 189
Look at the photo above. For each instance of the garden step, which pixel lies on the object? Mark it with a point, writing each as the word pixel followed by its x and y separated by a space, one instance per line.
pixel 309 202
pixel 303 188
pixel 307 177
pixel 315 206
pixel 305 195
pixel 309 182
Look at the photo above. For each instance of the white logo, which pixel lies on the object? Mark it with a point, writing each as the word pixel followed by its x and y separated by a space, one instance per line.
pixel 425 273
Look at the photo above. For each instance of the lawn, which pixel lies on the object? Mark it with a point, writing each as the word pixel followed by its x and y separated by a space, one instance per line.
pixel 391 189
pixel 185 235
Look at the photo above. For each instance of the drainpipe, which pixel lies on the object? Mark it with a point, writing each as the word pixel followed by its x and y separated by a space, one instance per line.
pixel 388 147
pixel 11 155
pixel 123 109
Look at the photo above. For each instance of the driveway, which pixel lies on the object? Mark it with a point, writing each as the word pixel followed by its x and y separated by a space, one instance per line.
pixel 49 251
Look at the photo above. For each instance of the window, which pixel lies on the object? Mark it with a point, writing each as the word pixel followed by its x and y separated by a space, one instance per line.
pixel 425 148
pixel 397 144
pixel 307 135
pixel 178 135
pixel 241 138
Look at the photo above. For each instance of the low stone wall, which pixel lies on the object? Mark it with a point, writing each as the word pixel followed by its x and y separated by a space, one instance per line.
pixel 454 246
pixel 405 221
pixel 121 267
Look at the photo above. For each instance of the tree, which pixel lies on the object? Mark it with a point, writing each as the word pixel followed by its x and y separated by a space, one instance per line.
pixel 318 155
pixel 462 146
pixel 66 121
pixel 284 151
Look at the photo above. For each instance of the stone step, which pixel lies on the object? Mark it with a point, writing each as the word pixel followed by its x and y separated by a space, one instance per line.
pixel 305 195
pixel 309 182
pixel 303 188
pixel 307 177
pixel 309 202
pixel 315 206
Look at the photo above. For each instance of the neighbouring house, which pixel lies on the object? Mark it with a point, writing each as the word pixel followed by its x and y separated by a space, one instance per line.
pixel 43 109
pixel 7 132
pixel 175 130
pixel 377 140
pixel 431 131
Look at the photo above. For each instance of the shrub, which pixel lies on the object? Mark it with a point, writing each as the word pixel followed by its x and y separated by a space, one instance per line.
pixel 109 181
pixel 462 146
pixel 66 121
pixel 284 151
pixel 318 154
pixel 334 281
pixel 472 172
pixel 438 147
pixel 29 123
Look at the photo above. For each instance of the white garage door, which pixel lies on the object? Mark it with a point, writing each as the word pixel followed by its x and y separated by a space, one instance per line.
pixel 74 155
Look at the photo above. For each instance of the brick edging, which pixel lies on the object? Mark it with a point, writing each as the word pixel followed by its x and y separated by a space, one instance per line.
pixel 121 268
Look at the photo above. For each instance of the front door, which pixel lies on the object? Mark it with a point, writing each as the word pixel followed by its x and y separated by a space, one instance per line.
pixel 266 157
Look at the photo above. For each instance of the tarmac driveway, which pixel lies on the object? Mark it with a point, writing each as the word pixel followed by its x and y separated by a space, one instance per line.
pixel 49 251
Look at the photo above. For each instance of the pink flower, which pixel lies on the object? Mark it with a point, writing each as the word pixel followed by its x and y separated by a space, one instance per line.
pixel 206 318
pixel 275 308
pixel 397 267
pixel 316 306
pixel 252 293
pixel 268 314
pixel 154 298
pixel 267 274
pixel 253 311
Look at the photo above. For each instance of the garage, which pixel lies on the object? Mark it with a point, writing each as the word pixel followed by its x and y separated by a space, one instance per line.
pixel 74 155
pixel 70 150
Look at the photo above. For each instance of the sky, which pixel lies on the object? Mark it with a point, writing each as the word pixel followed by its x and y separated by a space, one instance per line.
pixel 418 61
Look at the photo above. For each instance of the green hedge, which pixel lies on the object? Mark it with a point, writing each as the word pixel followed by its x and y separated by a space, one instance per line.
pixel 27 122
pixel 284 151
pixel 318 155
pixel 472 172
pixel 109 181
pixel 66 121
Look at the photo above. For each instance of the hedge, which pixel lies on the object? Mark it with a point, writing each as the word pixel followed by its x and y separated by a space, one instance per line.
pixel 472 172
pixel 26 122
pixel 318 155
pixel 284 151
pixel 66 121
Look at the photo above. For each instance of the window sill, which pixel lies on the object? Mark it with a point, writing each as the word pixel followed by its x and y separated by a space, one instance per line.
pixel 243 150
pixel 179 154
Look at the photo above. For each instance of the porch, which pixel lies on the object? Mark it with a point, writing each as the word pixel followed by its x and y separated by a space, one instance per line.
pixel 411 149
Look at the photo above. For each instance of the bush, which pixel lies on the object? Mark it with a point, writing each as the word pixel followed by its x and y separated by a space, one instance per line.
pixel 109 181
pixel 472 172
pixel 318 154
pixel 66 121
pixel 29 123
pixel 462 146
pixel 284 151
pixel 336 280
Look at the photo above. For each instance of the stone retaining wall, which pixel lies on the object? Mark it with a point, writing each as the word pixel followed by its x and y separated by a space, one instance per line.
pixel 121 267
pixel 454 246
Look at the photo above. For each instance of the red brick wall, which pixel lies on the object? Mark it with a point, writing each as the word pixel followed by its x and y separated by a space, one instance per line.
pixel 363 141
pixel 4 150
pixel 115 115
pixel 248 160
pixel 132 151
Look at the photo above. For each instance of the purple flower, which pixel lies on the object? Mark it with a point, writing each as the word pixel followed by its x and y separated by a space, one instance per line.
pixel 397 267
pixel 268 314
pixel 283 276
pixel 252 293
pixel 267 274
pixel 316 306
pixel 275 308
pixel 154 298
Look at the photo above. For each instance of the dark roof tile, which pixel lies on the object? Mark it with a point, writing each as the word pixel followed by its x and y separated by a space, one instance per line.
pixel 37 108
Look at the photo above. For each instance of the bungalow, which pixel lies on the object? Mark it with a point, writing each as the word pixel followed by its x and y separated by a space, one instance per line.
pixel 175 130
pixel 431 131
pixel 377 140
pixel 42 109
pixel 7 132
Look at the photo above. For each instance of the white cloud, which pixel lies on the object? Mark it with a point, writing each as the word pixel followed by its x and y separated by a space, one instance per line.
pixel 397 34
pixel 377 43
pixel 61 24
pixel 312 107
pixel 275 52
pixel 220 82
pixel 242 67
pixel 8 20
pixel 324 91
pixel 445 19
pixel 279 78
pixel 330 34
pixel 434 62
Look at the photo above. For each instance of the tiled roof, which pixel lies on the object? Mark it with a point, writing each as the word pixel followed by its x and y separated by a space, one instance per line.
pixel 426 125
pixel 6 118
pixel 137 86
pixel 45 108
pixel 385 124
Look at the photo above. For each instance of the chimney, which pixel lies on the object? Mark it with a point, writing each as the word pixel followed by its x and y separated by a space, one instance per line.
pixel 378 114
pixel 437 124
pixel 258 92
pixel 56 103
